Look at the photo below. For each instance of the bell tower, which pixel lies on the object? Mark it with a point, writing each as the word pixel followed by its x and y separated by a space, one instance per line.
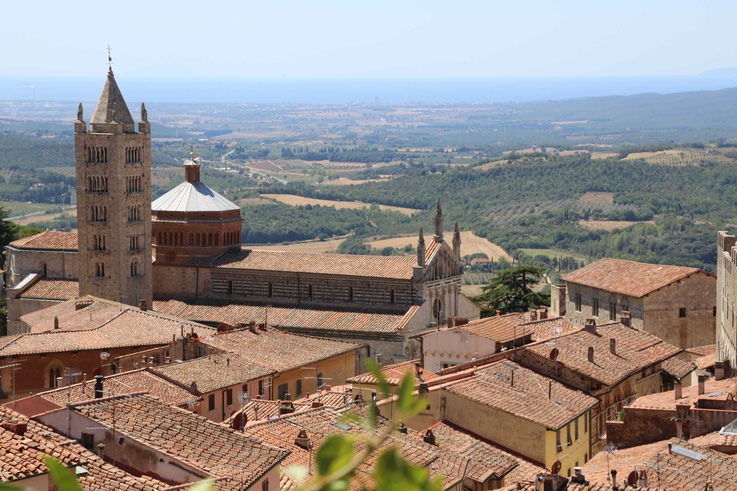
pixel 113 163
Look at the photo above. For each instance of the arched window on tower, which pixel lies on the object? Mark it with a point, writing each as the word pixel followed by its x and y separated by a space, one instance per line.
pixel 230 287
pixel 271 290
pixel 134 268
pixel 309 291
pixel 350 293
pixel 391 296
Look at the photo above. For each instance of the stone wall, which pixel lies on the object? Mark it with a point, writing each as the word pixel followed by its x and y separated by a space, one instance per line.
pixel 726 336
pixel 19 263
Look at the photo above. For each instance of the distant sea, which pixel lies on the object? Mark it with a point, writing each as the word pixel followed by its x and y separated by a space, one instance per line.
pixel 342 91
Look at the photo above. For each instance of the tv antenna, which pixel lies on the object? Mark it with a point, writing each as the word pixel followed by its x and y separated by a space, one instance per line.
pixel 109 58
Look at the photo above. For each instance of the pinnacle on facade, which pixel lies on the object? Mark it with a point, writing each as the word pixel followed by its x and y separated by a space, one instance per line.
pixel 457 240
pixel 111 107
pixel 439 223
pixel 421 249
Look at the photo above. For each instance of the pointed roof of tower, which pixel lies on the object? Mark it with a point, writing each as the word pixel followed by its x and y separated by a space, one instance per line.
pixel 111 107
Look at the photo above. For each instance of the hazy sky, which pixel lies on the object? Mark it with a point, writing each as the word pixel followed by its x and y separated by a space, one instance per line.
pixel 350 38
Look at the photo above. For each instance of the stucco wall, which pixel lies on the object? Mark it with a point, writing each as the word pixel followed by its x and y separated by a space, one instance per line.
pixel 19 263
pixel 448 347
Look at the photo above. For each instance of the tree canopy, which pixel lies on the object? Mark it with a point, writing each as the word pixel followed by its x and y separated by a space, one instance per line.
pixel 511 291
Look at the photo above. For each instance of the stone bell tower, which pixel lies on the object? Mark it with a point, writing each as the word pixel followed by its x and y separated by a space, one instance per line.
pixel 113 163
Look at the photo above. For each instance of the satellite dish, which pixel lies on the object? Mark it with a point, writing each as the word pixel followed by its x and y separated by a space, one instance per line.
pixel 104 355
pixel 554 353
pixel 632 478
pixel 556 467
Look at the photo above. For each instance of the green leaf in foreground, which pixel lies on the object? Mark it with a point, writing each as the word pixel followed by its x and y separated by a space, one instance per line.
pixel 64 479
pixel 392 472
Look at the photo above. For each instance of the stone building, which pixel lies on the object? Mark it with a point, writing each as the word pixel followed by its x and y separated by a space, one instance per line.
pixel 114 200
pixel 199 262
pixel 726 298
pixel 675 303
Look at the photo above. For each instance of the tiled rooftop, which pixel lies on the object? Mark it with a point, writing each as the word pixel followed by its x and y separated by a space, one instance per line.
pixel 48 289
pixel 211 447
pixel 49 240
pixel 678 368
pixel 394 374
pixel 389 267
pixel 260 410
pixel 635 350
pixel 96 313
pixel 714 389
pixel 485 459
pixel 22 457
pixel 667 469
pixel 337 397
pixel 719 441
pixel 130 382
pixel 322 422
pixel 277 350
pixel 213 372
pixel 286 317
pixel 549 328
pixel 500 328
pixel 141 329
pixel 508 387
pixel 628 277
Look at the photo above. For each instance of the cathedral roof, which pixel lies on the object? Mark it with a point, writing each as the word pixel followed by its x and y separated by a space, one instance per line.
pixel 111 107
pixel 193 196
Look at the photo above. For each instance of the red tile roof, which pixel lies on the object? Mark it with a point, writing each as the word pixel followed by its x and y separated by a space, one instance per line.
pixel 286 317
pixel 22 457
pixel 260 410
pixel 279 351
pixel 134 381
pixel 141 329
pixel 501 329
pixel 211 447
pixel 635 350
pixel 678 368
pixel 394 374
pixel 511 388
pixel 716 440
pixel 212 372
pixel 47 289
pixel 389 267
pixel 628 277
pixel 337 397
pixel 49 240
pixel 94 313
pixel 714 389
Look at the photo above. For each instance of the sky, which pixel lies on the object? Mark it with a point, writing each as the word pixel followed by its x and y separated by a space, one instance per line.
pixel 367 39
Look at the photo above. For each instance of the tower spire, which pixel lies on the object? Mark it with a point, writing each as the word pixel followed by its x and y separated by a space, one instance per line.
pixel 438 223
pixel 457 241
pixel 421 249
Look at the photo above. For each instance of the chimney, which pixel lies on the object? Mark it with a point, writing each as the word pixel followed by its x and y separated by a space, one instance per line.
pixel 429 437
pixel 550 389
pixel 578 477
pixel 702 384
pixel 590 325
pixel 143 305
pixel 227 362
pixel 719 370
pixel 678 391
pixel 262 326
pixel 543 314
pixel 451 322
pixel 402 428
pixel 591 354
pixel 533 315
pixel 417 370
pixel 98 386
pixel 302 440
pixel 17 427
pixel 252 327
pixel 613 346
pixel 642 482
pixel 626 318
pixel 56 322
pixel 511 378
pixel 498 313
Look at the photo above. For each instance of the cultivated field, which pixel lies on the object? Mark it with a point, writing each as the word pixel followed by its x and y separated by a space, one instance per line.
pixel 470 244
pixel 19 208
pixel 69 211
pixel 294 200
pixel 552 253
pixel 607 225
pixel 682 156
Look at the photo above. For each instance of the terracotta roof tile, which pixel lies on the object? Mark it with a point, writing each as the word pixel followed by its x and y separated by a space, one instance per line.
pixel 212 372
pixel 716 440
pixel 286 317
pixel 394 373
pixel 47 289
pixel 22 456
pixel 501 329
pixel 142 329
pixel 211 447
pixel 277 350
pixel 508 387
pixel 336 397
pixel 714 389
pixel 635 350
pixel 95 313
pixel 49 240
pixel 130 382
pixel 389 267
pixel 628 277
pixel 678 368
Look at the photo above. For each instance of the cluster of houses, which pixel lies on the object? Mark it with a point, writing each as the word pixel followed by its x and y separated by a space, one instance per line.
pixel 153 353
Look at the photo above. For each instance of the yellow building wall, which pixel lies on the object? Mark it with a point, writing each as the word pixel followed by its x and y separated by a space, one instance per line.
pixel 335 371
pixel 570 456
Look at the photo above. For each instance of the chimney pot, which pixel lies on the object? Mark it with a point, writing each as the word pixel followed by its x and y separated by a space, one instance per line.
pixel 56 322
pixel 702 384
pixel 417 370
pixel 533 315
pixel 678 390
pixel 719 370
pixel 626 318
pixel 591 354
pixel 143 305
pixel 590 325
pixel 613 346
pixel 98 386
